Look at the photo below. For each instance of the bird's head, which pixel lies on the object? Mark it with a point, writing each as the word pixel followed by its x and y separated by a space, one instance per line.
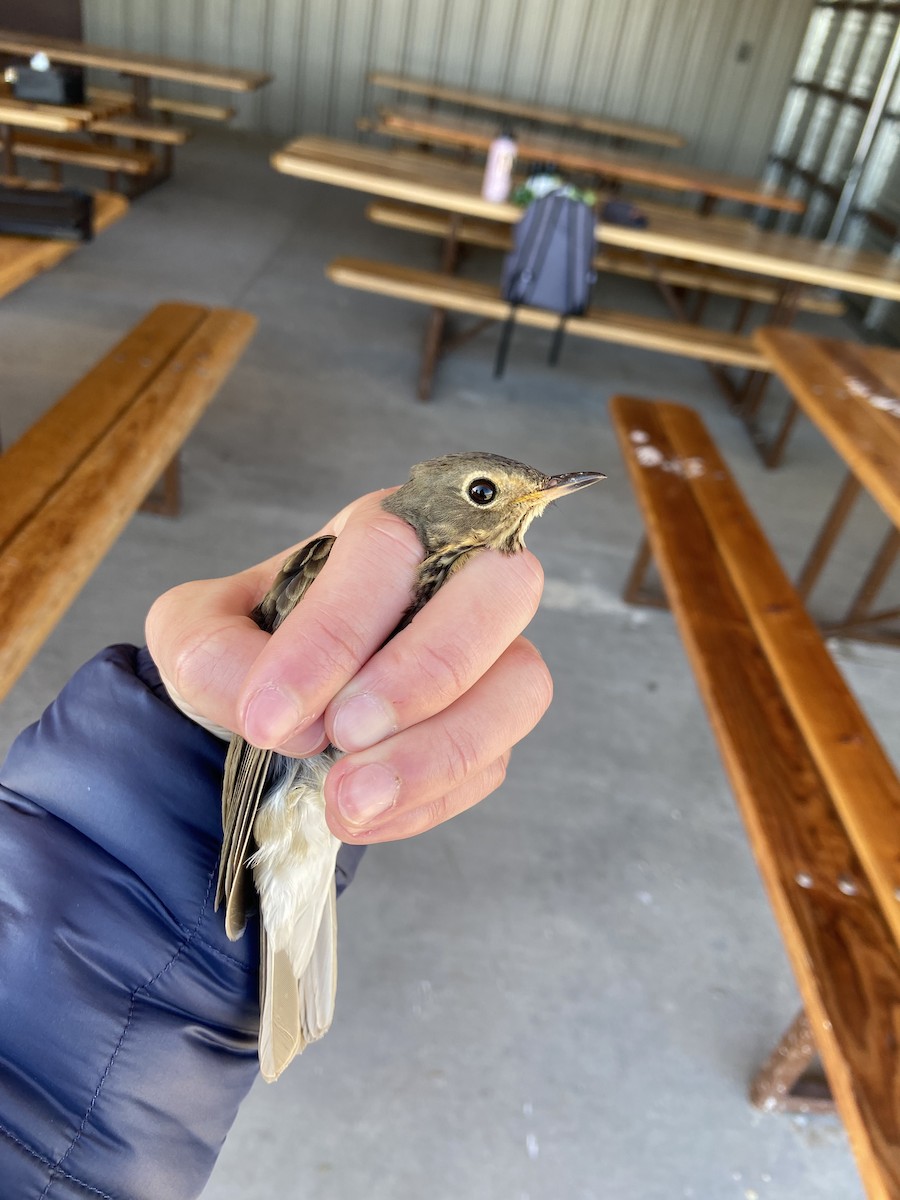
pixel 469 500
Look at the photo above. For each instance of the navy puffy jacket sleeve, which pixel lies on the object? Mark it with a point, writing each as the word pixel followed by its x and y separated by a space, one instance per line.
pixel 128 1021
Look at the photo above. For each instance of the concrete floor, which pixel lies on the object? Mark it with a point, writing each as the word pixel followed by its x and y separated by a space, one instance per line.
pixel 564 992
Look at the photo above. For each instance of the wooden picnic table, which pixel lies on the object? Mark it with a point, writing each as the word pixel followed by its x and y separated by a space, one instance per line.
pixel 422 125
pixel 851 393
pixel 129 62
pixel 538 113
pixel 50 118
pixel 453 188
pixel 141 69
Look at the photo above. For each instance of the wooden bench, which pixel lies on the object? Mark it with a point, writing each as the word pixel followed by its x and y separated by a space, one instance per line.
pixel 21 258
pixel 141 131
pixel 448 292
pixel 523 111
pixel 61 151
pixel 428 128
pixel 153 125
pixel 70 484
pixel 495 236
pixel 819 797
pixel 162 137
pixel 166 106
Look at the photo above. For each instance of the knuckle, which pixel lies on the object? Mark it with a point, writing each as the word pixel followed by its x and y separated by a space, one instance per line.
pixel 456 801
pixel 195 659
pixel 335 638
pixel 436 812
pixel 461 758
pixel 396 535
pixel 388 543
pixel 443 674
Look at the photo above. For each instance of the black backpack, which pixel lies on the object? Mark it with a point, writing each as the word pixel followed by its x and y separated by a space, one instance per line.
pixel 550 265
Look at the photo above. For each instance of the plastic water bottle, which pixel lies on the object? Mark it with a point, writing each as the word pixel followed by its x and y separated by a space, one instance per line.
pixel 498 169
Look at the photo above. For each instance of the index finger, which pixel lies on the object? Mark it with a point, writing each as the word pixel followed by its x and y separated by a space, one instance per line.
pixel 348 611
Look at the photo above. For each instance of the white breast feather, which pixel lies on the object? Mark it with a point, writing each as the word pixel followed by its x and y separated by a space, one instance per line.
pixel 293 866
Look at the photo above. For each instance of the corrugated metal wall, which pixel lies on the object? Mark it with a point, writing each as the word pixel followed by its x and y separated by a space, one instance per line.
pixel 716 70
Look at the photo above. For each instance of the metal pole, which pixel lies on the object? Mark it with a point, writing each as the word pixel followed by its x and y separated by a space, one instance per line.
pixel 866 138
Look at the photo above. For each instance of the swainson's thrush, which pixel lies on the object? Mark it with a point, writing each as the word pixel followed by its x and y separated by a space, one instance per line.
pixel 273 810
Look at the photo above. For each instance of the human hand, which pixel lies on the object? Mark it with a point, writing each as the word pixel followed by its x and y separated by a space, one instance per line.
pixel 427 720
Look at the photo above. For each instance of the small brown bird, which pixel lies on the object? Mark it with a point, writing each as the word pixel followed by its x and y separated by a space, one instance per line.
pixel 273 810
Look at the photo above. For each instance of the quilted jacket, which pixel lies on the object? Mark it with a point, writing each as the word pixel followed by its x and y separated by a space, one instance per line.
pixel 128 1021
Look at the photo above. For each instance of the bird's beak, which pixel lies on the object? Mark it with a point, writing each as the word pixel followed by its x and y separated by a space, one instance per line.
pixel 564 485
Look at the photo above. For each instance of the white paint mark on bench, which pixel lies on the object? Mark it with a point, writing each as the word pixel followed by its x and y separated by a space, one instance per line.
pixel 649 456
pixel 639 436
pixel 652 456
pixel 889 404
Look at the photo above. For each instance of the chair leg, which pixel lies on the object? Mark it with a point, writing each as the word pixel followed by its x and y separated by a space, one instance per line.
pixel 634 591
pixel 778 1087
pixel 164 499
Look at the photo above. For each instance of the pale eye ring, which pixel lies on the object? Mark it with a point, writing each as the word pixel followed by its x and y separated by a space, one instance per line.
pixel 482 491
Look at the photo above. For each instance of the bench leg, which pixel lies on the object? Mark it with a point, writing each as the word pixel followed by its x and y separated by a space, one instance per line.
pixel 437 322
pixel 773 452
pixel 745 307
pixel 859 616
pixel 676 304
pixel 699 307
pixel 878 573
pixel 431 351
pixel 753 392
pixel 777 1086
pixel 164 500
pixel 828 534
pixel 10 166
pixel 634 591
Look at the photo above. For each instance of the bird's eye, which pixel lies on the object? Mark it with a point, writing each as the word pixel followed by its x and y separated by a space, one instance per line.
pixel 482 491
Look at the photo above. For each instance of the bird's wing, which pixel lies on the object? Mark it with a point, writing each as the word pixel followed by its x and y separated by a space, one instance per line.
pixel 248 770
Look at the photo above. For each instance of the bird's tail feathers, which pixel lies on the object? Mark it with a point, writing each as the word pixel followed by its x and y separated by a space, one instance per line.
pixel 279 1017
pixel 295 1012
pixel 318 986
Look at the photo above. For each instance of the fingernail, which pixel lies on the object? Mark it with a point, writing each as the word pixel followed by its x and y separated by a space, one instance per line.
pixel 271 716
pixel 311 739
pixel 360 722
pixel 365 793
